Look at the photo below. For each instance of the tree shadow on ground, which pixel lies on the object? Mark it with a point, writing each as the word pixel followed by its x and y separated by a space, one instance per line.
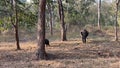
pixel 90 54
pixel 19 55
pixel 74 54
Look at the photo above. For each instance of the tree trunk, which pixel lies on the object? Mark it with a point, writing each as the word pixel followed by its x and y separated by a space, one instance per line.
pixel 61 14
pixel 41 54
pixel 99 14
pixel 15 23
pixel 116 21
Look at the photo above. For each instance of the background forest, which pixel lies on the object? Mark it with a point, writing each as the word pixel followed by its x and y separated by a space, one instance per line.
pixel 78 14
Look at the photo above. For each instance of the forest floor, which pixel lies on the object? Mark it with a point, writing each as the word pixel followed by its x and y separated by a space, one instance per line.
pixel 96 53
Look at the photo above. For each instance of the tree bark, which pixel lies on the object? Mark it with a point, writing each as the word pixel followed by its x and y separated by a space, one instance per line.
pixel 116 21
pixel 99 14
pixel 61 14
pixel 41 53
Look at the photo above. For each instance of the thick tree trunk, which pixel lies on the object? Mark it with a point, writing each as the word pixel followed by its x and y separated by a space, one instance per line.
pixel 61 14
pixel 41 54
pixel 116 21
pixel 99 14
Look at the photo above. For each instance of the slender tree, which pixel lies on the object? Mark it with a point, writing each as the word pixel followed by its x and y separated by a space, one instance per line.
pixel 116 20
pixel 99 13
pixel 15 22
pixel 61 14
pixel 41 54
